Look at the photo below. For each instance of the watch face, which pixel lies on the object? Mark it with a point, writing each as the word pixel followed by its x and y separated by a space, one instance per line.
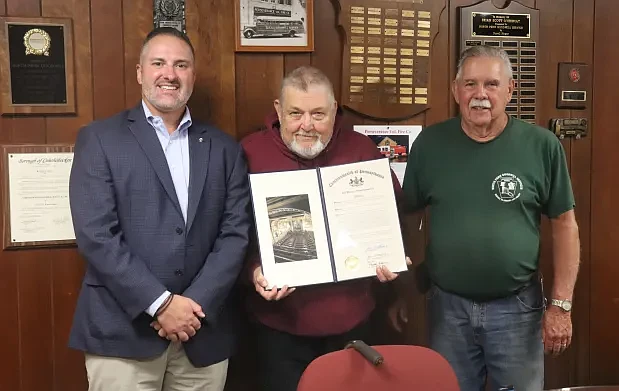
pixel 566 305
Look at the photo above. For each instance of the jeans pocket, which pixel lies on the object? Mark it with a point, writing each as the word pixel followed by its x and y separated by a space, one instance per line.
pixel 531 298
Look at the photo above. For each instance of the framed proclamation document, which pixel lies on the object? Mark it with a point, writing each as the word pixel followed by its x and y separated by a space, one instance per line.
pixel 36 196
pixel 327 225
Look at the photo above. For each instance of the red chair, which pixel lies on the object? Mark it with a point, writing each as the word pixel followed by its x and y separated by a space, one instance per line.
pixel 388 367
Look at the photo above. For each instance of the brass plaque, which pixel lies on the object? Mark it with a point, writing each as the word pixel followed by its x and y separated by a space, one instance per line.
pixel 374 11
pixel 374 21
pixel 374 50
pixel 357 10
pixel 406 100
pixel 421 91
pixel 356 88
pixel 374 41
pixel 423 24
pixel 391 22
pixel 357 20
pixel 357 49
pixel 373 79
pixel 500 24
pixel 407 42
pixel 375 30
pixel 423 33
pixel 389 71
pixel 391 41
pixel 356 79
pixel 422 43
pixel 406 71
pixel 424 14
pixel 407 33
pixel 406 52
pixel 391 32
pixel 406 61
pixel 391 51
pixel 421 100
pixel 408 23
pixel 373 70
pixel 390 80
pixel 406 91
pixel 408 13
pixel 389 60
pixel 406 80
pixel 357 30
pixel 356 60
pixel 357 40
pixel 373 60
pixel 423 52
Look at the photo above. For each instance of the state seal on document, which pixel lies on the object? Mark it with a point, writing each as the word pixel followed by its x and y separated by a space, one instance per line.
pixel 37 42
pixel 351 263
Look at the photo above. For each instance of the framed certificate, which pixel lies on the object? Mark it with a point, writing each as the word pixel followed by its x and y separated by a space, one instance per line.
pixel 327 225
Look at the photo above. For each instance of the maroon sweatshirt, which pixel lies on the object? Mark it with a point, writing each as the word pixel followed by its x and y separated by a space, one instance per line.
pixel 322 309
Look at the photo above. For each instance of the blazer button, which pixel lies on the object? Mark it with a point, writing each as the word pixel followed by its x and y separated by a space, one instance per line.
pixel 178 272
pixel 179 230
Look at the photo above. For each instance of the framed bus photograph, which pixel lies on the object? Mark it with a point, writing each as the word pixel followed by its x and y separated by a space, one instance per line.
pixel 274 25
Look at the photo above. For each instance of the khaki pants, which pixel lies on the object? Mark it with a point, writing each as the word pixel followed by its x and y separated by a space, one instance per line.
pixel 172 371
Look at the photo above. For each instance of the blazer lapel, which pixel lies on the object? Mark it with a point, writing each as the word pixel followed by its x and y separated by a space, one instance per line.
pixel 149 142
pixel 199 154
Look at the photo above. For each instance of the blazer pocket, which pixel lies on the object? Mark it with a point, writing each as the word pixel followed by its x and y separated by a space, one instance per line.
pixel 91 280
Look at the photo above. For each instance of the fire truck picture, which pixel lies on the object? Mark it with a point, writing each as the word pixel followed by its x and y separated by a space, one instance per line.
pixel 392 151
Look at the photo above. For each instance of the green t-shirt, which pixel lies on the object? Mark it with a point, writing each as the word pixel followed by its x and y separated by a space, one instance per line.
pixel 485 203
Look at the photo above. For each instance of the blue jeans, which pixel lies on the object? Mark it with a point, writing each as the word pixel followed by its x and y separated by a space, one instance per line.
pixel 498 340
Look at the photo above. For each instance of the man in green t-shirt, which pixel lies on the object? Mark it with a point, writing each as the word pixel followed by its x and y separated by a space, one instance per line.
pixel 486 179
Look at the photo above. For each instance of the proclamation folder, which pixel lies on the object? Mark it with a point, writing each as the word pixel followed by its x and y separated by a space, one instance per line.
pixel 327 224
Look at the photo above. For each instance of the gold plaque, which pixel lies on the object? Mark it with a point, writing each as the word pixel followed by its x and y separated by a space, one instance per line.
pixel 374 11
pixel 423 24
pixel 406 61
pixel 391 51
pixel 407 100
pixel 357 10
pixel 421 100
pixel 389 60
pixel 357 30
pixel 356 88
pixel 408 33
pixel 373 79
pixel 389 71
pixel 408 13
pixel 406 71
pixel 356 79
pixel 375 30
pixel 374 21
pixel 357 19
pixel 408 23
pixel 373 50
pixel 406 52
pixel 424 14
pixel 407 42
pixel 37 42
pixel 390 80
pixel 422 43
pixel 391 22
pixel 391 32
pixel 423 33
pixel 374 60
pixel 356 60
pixel 373 70
pixel 391 41
pixel 357 39
pixel 423 52
pixel 421 91
pixel 406 81
pixel 357 49
pixel 406 91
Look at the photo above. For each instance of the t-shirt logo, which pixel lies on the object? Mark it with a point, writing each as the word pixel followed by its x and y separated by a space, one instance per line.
pixel 507 187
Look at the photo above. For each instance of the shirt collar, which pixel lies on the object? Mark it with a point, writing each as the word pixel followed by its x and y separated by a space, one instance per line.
pixel 185 121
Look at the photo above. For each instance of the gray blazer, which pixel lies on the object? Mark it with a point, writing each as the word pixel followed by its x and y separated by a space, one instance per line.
pixel 131 232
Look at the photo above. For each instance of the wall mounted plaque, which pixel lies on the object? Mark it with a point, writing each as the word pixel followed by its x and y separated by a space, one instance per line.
pixel 515 29
pixel 169 13
pixel 36 61
pixel 386 56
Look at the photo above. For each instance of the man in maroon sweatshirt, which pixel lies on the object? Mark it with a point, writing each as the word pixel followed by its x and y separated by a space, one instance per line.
pixel 292 329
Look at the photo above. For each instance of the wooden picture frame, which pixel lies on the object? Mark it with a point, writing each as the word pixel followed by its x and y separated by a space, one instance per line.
pixel 273 25
pixel 35 196
pixel 37 66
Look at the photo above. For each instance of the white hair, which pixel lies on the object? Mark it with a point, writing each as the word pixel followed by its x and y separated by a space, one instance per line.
pixel 485 51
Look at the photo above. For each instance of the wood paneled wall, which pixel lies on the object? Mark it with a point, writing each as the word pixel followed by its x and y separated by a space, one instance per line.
pixel 235 91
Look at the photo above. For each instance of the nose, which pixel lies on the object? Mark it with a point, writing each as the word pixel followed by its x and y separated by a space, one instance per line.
pixel 169 72
pixel 480 91
pixel 306 121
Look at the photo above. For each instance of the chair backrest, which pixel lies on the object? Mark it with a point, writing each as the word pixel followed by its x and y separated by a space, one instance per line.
pixel 405 367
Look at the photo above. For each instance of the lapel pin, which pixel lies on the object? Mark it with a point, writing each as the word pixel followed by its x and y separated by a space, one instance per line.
pixel 200 139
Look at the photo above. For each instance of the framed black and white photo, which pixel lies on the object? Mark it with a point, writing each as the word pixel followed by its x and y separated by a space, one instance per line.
pixel 274 25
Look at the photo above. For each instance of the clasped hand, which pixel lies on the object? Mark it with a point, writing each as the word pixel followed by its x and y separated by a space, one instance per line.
pixel 180 320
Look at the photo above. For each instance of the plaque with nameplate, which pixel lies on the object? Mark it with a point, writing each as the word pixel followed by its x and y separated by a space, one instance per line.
pixel 392 42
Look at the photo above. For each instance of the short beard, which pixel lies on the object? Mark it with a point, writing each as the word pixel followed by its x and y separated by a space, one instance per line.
pixel 308 152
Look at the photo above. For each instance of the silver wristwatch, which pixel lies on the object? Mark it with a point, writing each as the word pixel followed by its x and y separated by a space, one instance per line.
pixel 565 305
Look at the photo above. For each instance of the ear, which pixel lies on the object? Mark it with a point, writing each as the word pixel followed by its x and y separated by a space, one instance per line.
pixel 138 71
pixel 510 88
pixel 279 109
pixel 454 91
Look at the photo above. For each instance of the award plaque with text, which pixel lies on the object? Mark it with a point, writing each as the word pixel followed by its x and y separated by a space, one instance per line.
pixel 386 56
pixel 515 29
pixel 36 62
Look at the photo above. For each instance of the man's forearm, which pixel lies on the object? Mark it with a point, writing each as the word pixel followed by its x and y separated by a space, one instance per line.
pixel 566 255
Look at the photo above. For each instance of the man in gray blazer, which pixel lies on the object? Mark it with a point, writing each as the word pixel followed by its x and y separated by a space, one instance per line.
pixel 160 211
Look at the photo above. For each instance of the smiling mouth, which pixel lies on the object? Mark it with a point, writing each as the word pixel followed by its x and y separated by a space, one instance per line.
pixel 168 88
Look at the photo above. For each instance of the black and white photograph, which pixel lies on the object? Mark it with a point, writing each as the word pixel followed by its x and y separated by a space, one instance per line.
pixel 274 25
pixel 292 233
